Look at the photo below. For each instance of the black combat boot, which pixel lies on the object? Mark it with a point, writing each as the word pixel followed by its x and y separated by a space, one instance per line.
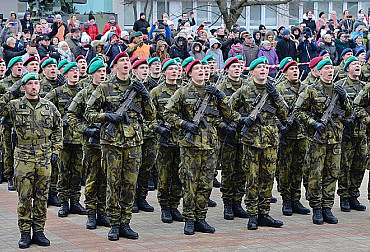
pixel 113 234
pixel 64 209
pixel 25 241
pixel 203 226
pixel 189 227
pixel 344 204
pixel 143 205
pixel 317 217
pixel 287 208
pixel 216 183
pixel 176 215
pixel 239 211
pixel 252 222
pixel 273 199
pixel 2 178
pixel 53 200
pixel 228 211
pixel 126 231
pixel 298 208
pixel 166 216
pixel 102 220
pixel 77 208
pixel 356 205
pixel 212 203
pixel 40 239
pixel 11 186
pixel 91 221
pixel 267 221
pixel 135 209
pixel 328 216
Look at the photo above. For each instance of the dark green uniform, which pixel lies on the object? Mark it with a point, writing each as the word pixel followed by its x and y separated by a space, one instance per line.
pixel 310 79
pixel 365 72
pixel 342 74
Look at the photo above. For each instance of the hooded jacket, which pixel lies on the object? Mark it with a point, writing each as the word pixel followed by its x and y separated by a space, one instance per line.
pixel 310 22
pixel 112 50
pixel 108 26
pixel 179 51
pixel 91 29
pixel 140 23
pixel 250 53
pixel 271 56
pixel 17 28
pixel 197 55
pixel 27 24
pixel 10 52
pixel 257 41
pixel 216 52
pixel 158 53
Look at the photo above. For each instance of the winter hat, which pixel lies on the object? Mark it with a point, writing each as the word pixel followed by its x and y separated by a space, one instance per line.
pixel 91 16
pixel 286 32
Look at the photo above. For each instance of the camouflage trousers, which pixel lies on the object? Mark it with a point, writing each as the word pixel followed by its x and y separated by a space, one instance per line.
pixel 122 167
pixel 146 168
pixel 32 180
pixel 196 174
pixel 260 165
pixel 96 182
pixel 70 172
pixel 352 169
pixel 169 184
pixel 8 158
pixel 291 163
pixel 306 168
pixel 54 178
pixel 233 173
pixel 323 174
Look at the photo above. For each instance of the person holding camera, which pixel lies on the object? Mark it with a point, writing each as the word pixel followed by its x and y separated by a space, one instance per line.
pixel 13 24
pixel 343 41
pixel 112 26
pixel 347 21
pixel 307 49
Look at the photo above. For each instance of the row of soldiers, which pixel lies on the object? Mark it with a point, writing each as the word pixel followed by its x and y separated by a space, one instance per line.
pixel 187 119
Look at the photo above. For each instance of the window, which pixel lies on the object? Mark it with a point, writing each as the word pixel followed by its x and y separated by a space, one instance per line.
pixel 243 16
pixel 216 15
pixel 129 17
pixel 187 7
pixel 255 15
pixel 161 8
pixel 338 8
pixel 293 12
pixel 308 6
pixel 323 7
pixel 353 8
pixel 201 12
pixel 270 15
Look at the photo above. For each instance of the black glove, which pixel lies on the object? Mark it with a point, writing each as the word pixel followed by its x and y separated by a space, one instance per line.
pixel 15 89
pixel 113 117
pixel 213 90
pixel 190 127
pixel 61 80
pixel 163 131
pixel 319 127
pixel 228 130
pixel 272 91
pixel 141 90
pixel 282 129
pixel 247 121
pixel 54 159
pixel 341 93
pixel 92 132
pixel 348 123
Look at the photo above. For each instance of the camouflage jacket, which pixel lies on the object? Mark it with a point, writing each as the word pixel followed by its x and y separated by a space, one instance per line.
pixel 148 126
pixel 108 97
pixel 362 105
pixel 365 73
pixel 310 79
pixel 8 82
pixel 84 82
pixel 62 97
pixel 342 74
pixel 182 106
pixel 47 85
pixel 310 108
pixel 260 135
pixel 38 130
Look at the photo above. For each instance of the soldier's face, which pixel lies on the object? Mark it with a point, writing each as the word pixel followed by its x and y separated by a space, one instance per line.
pixel 123 65
pixel 315 72
pixel 292 73
pixel 361 57
pixel 32 88
pixel 99 75
pixel 50 71
pixel 207 73
pixel 72 76
pixel 347 56
pixel 212 66
pixel 33 67
pixel 171 73
pixel 197 73
pixel 141 71
pixel 2 69
pixel 234 70
pixel 354 69
pixel 17 69
pixel 326 73
pixel 260 72
pixel 155 67
pixel 82 64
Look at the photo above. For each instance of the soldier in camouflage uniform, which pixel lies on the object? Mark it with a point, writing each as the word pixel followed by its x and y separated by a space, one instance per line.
pixel 70 165
pixel 211 59
pixel 325 147
pixel 121 146
pixel 84 78
pixel 2 177
pixel 313 75
pixel 168 155
pixel 345 55
pixel 233 176
pixel 293 146
pixel 198 152
pixel 32 64
pixel 354 144
pixel 39 138
pixel 365 70
pixel 260 141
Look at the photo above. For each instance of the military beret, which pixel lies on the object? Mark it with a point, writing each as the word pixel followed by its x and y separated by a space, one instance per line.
pixel 314 62
pixel 30 59
pixel 177 59
pixel 288 61
pixel 165 60
pixel 168 63
pixel 29 76
pixel 347 50
pixel 95 59
pixel 210 57
pixel 359 51
pixel 349 61
pixel 122 54
pixel 95 66
pixel 43 59
pixel 323 52
pixel 190 66
pixel 323 63
pixel 69 66
pixel 49 62
pixel 187 61
pixel 80 57
pixel 133 59
pixel 62 63
pixel 2 60
pixel 239 57
pixel 137 34
pixel 139 62
pixel 204 62
pixel 15 60
pixel 284 61
pixel 230 61
pixel 260 60
pixel 367 55
pixel 151 60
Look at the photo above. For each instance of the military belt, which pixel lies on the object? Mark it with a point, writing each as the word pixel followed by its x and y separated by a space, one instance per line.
pixel 33 142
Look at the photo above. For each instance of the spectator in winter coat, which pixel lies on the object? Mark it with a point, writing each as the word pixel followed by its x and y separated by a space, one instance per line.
pixel 65 52
pixel 91 27
pixel 74 41
pixel 270 53
pixel 320 21
pixel 46 50
pixel 334 19
pixel 309 20
pixel 179 48
pixel 250 50
pixel 15 25
pixel 138 47
pixel 113 47
pixel 344 41
pixel 9 50
pixel 202 38
pixel 86 49
pixel 141 23
pixel 73 22
pixel 196 51
pixel 184 19
pixel 215 50
pixel 329 46
pixel 270 36
pixel 236 49
pixel 359 43
pixel 347 22
pixel 112 26
pixel 286 47
pixel 161 50
pixel 307 50
pixel 27 22
pixel 225 42
pixel 360 21
pixel 163 29
pixel 257 37
pixel 59 28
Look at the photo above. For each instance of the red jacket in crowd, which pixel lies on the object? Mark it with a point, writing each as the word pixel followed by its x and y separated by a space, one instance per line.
pixel 108 26
pixel 91 29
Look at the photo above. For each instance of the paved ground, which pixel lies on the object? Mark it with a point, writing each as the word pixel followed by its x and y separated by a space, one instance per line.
pixel 298 233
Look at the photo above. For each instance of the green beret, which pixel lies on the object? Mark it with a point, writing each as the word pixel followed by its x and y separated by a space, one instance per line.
pixel 353 58
pixel 69 66
pixel 239 57
pixel 187 61
pixel 284 62
pixel 204 62
pixel 323 63
pixel 137 34
pixel 169 63
pixel 14 60
pixel 95 59
pixel 210 57
pixel 260 60
pixel 29 76
pixel 151 60
pixel 62 63
pixel 48 62
pixel 95 66
pixel 177 59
